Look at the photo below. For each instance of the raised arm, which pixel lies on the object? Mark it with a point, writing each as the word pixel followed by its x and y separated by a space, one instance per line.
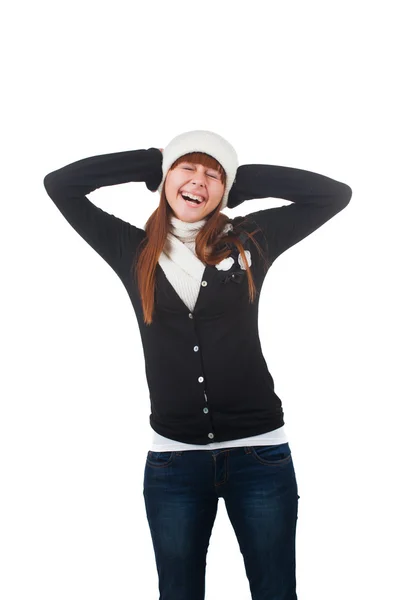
pixel 108 235
pixel 316 199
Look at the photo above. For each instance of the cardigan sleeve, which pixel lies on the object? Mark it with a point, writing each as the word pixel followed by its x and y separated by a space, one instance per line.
pixel 315 199
pixel 108 235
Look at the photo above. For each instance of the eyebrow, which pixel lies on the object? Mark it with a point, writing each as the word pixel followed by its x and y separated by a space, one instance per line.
pixel 187 162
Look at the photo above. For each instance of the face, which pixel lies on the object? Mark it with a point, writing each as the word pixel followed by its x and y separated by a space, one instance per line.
pixel 198 180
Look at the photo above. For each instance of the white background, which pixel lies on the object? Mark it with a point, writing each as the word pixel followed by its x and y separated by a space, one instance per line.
pixel 310 85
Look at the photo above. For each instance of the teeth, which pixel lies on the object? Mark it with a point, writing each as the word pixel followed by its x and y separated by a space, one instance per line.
pixel 194 197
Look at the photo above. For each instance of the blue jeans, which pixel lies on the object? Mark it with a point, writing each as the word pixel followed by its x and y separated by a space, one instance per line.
pixel 258 484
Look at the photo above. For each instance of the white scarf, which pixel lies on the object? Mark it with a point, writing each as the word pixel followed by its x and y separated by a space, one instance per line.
pixel 183 269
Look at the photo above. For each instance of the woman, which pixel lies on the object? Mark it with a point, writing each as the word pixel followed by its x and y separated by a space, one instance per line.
pixel 194 277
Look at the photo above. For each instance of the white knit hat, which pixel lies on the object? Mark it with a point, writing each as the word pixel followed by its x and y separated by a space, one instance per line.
pixel 202 141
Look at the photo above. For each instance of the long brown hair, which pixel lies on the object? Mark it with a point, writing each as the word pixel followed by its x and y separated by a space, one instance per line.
pixel 210 243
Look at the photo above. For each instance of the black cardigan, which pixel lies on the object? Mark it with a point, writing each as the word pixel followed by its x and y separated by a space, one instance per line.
pixel 207 376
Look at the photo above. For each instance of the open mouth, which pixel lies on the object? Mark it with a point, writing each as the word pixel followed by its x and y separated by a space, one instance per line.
pixel 191 201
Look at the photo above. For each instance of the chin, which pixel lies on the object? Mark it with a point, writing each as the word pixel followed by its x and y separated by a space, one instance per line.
pixel 184 216
pixel 189 219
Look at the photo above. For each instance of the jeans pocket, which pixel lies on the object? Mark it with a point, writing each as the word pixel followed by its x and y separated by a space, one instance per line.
pixel 160 459
pixel 279 454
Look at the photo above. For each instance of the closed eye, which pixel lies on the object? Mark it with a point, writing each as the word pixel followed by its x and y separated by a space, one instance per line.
pixel 213 176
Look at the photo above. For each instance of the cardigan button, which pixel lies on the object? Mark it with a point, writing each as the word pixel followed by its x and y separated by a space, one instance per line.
pixel 203 283
pixel 196 348
pixel 190 316
pixel 211 435
pixel 205 410
pixel 201 379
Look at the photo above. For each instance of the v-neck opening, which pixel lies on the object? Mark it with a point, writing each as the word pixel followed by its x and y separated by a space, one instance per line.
pixel 208 268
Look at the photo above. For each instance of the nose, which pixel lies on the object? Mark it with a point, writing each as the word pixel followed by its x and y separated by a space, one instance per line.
pixel 198 178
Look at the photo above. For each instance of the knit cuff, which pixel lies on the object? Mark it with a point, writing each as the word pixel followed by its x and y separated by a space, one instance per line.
pixel 155 175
